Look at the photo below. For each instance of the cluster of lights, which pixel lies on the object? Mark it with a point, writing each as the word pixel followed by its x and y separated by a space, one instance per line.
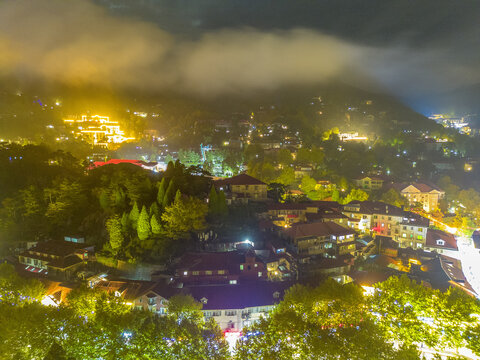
pixel 100 130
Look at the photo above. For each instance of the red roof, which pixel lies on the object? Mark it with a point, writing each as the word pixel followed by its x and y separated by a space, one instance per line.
pixel 448 240
pixel 422 187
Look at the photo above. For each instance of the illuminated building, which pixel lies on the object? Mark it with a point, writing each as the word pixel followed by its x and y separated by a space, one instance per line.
pixel 427 195
pixel 98 130
pixel 352 136
pixel 242 188
pixel 369 183
pixel 235 306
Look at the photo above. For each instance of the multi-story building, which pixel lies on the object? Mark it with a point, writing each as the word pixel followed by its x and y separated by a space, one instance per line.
pixel 322 238
pixel 220 267
pixel 373 216
pixel 234 307
pixel 143 295
pixel 286 214
pixel 56 259
pixel 412 231
pixel 369 183
pixel 427 195
pixel 243 188
pixel 406 228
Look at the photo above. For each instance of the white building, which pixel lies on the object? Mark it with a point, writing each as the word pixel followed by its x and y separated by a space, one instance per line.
pixel 235 306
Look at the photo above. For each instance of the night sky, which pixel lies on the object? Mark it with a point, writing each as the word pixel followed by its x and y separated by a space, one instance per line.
pixel 413 49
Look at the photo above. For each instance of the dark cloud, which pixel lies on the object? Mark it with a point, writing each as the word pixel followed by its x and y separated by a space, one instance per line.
pixel 121 44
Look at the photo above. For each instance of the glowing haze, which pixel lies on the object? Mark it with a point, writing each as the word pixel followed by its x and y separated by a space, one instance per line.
pixel 80 43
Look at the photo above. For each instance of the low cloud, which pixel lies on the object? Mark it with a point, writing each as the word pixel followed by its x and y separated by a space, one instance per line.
pixel 80 43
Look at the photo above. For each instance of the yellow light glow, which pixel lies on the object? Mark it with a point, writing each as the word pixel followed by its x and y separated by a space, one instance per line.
pixel 100 130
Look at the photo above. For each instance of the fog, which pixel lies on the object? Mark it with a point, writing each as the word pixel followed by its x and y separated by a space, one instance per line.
pixel 80 43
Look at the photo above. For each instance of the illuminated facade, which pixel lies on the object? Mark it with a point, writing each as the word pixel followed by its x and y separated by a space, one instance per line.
pixel 98 130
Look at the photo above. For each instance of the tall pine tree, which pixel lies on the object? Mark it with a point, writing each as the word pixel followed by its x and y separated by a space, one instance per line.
pixel 155 225
pixel 125 223
pixel 162 188
pixel 178 196
pixel 134 214
pixel 143 224
pixel 154 210
pixel 114 227
pixel 169 194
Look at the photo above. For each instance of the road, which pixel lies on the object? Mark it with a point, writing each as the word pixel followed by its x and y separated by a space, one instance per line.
pixel 470 258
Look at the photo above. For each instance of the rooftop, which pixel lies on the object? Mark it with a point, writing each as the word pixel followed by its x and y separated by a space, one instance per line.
pixel 131 290
pixel 422 187
pixel 242 179
pixel 374 207
pixel 447 241
pixel 317 229
pixel 202 261
pixel 240 296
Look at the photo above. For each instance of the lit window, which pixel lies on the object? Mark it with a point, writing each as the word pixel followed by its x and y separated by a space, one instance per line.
pixel 259 274
pixel 241 267
pixel 233 282
pixel 221 272
pixel 185 273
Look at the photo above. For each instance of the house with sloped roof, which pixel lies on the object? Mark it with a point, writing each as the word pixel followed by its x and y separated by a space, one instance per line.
pixel 60 260
pixel 229 267
pixel 369 183
pixel 243 188
pixel 142 295
pixel 428 195
pixel 441 242
pixel 234 307
pixel 321 238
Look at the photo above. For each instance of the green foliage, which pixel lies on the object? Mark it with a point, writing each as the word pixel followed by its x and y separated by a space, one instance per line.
pixel 104 199
pixel 393 197
pixel 169 193
pixel 287 176
pixel 94 324
pixel 143 224
pixel 222 204
pixel 336 195
pixel 184 307
pixel 125 221
pixel 16 289
pixel 154 209
pixel 355 194
pixel 184 217
pixel 404 306
pixel 213 201
pixel 155 225
pixel 162 188
pixel 115 233
pixel 178 196
pixel 328 322
pixel 134 215
pixel 189 158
